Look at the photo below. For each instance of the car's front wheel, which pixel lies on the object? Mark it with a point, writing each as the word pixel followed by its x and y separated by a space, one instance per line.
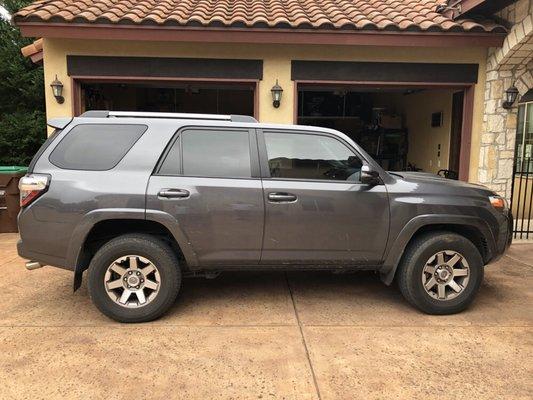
pixel 134 278
pixel 440 272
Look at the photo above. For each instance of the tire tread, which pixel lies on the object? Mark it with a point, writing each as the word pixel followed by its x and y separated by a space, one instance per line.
pixel 158 247
pixel 406 276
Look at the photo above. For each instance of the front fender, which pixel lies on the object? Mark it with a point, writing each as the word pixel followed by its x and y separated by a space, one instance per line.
pixel 395 253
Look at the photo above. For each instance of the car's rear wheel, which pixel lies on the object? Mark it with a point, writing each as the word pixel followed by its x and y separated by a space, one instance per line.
pixel 134 278
pixel 440 272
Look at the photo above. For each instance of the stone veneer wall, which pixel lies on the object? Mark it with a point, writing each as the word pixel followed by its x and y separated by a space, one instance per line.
pixel 508 65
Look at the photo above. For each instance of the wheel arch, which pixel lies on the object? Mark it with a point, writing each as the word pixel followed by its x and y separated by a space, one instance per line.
pixel 98 228
pixel 473 228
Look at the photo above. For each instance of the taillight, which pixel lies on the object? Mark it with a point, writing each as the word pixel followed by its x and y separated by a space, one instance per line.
pixel 32 186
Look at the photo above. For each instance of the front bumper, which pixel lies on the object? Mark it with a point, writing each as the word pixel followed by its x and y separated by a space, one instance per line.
pixel 505 237
pixel 509 231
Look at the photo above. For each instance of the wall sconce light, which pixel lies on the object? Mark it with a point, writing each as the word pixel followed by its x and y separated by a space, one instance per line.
pixel 510 97
pixel 57 90
pixel 277 91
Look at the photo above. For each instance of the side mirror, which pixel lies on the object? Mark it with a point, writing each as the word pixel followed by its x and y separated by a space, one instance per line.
pixel 369 176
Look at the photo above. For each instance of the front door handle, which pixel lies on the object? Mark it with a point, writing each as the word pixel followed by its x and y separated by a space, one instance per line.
pixel 174 193
pixel 282 197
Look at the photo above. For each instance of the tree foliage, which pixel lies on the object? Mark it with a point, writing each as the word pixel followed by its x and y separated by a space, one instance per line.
pixel 22 115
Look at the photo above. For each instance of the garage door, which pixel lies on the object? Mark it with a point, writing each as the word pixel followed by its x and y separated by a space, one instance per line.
pixel 190 97
pixel 225 86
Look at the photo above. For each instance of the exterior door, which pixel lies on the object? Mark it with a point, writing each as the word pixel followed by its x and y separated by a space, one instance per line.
pixel 317 210
pixel 209 182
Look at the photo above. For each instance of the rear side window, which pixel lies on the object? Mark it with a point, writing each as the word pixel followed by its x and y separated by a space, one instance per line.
pixel 210 153
pixel 95 147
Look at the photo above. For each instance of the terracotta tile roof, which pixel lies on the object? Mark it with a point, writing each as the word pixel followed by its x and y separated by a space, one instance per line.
pixel 390 15
pixel 34 51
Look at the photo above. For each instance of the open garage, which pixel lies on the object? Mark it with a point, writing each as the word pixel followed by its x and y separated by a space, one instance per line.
pixel 403 128
pixel 217 86
pixel 168 96
pixel 407 116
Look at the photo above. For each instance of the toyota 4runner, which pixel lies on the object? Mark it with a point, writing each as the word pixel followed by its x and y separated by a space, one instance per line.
pixel 140 200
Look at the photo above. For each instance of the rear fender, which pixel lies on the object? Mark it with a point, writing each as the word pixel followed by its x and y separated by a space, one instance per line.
pixel 88 221
pixel 74 252
pixel 173 226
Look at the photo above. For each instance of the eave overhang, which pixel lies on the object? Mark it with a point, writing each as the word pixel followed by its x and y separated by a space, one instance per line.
pixel 260 35
pixel 482 7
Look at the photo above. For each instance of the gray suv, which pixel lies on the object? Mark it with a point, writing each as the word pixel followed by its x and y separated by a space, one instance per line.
pixel 140 200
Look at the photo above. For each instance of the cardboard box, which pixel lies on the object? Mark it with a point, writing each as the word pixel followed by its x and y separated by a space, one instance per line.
pixel 391 121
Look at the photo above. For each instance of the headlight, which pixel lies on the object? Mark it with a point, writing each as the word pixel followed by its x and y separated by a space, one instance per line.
pixel 499 203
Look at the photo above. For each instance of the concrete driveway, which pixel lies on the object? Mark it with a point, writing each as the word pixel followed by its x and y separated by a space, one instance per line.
pixel 269 336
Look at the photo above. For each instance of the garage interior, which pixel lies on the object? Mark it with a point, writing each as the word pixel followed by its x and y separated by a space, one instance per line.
pixel 402 128
pixel 207 98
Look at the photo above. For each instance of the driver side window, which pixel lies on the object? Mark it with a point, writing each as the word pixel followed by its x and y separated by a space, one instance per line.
pixel 310 157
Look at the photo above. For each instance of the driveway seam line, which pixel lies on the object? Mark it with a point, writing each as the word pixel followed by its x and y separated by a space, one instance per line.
pixel 304 342
pixel 518 261
pixel 137 326
pixel 274 326
pixel 8 261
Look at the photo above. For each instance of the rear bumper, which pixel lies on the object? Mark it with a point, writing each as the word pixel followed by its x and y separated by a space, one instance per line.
pixel 41 258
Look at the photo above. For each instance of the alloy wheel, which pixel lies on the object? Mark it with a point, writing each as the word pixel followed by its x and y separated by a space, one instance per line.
pixel 445 275
pixel 132 281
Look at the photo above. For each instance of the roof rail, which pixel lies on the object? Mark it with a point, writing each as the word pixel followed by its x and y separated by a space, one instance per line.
pixel 142 114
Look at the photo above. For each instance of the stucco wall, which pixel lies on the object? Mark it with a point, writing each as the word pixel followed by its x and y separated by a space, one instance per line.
pixel 276 64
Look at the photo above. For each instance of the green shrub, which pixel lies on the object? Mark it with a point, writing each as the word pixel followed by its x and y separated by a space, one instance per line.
pixel 22 115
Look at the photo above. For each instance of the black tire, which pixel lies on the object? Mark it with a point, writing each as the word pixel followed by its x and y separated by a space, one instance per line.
pixel 410 272
pixel 149 247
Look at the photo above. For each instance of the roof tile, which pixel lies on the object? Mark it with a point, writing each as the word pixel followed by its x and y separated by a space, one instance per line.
pixel 399 15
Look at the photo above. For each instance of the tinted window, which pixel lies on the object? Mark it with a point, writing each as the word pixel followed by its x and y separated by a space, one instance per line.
pixel 42 149
pixel 95 147
pixel 171 164
pixel 301 156
pixel 216 153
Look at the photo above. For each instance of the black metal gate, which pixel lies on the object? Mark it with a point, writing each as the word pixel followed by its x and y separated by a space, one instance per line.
pixel 522 198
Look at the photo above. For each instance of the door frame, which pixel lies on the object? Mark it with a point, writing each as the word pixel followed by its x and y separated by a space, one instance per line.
pixel 468 107
pixel 458 97
pixel 77 80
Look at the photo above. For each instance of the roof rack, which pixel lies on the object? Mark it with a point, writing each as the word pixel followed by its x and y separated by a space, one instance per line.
pixel 141 114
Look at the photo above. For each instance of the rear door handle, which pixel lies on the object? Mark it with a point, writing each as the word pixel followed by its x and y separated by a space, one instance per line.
pixel 174 193
pixel 282 197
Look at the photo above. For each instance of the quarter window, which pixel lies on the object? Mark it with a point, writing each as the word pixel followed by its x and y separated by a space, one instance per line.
pixel 171 163
pixel 310 157
pixel 215 153
pixel 95 147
